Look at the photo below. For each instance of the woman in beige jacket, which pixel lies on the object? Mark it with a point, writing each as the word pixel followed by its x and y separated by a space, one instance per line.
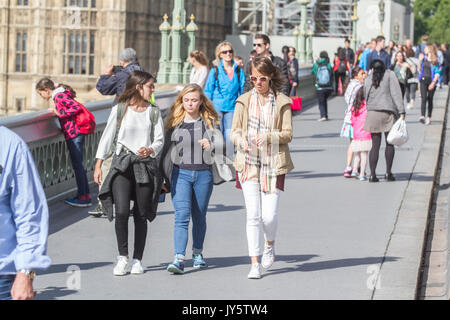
pixel 262 129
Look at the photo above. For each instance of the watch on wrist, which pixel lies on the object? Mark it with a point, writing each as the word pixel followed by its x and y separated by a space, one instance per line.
pixel 29 273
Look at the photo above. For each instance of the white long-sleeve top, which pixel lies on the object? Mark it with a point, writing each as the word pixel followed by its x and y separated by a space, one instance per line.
pixel 134 133
pixel 199 77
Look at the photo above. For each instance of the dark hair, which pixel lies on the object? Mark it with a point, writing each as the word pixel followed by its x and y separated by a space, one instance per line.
pixel 136 78
pixel 380 38
pixel 264 37
pixel 347 40
pixel 46 83
pixel 265 66
pixel 379 69
pixel 355 72
pixel 410 53
pixel 324 55
pixel 253 52
pixel 292 48
pixel 359 101
pixel 341 54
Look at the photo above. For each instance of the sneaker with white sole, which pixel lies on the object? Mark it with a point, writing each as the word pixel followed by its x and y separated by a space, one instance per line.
pixel 121 267
pixel 255 271
pixel 428 121
pixel 268 257
pixel 136 267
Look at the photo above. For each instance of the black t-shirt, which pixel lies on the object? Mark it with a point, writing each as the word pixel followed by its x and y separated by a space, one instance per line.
pixel 191 153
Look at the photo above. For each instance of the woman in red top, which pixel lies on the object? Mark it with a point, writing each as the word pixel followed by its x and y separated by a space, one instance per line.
pixel 341 68
pixel 66 108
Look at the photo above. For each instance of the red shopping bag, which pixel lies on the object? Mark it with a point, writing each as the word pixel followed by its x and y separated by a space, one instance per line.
pixel 296 103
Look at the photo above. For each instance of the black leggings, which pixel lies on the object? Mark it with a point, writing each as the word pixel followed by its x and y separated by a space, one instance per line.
pixel 427 97
pixel 375 154
pixel 123 187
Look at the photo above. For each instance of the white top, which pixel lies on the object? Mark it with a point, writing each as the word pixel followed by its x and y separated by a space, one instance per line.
pixel 199 77
pixel 134 133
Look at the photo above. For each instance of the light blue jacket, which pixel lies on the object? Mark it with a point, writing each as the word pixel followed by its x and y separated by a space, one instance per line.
pixel 23 208
pixel 224 94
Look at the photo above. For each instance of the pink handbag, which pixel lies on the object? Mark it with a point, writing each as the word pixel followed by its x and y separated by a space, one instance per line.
pixel 296 103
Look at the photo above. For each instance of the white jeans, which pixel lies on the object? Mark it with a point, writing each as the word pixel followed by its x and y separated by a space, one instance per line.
pixel 262 209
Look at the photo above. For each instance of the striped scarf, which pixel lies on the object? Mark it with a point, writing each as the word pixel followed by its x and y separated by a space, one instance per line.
pixel 262 159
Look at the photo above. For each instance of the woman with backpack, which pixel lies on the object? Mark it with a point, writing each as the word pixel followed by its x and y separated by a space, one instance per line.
pixel 400 68
pixel 429 77
pixel 323 73
pixel 224 85
pixel 67 109
pixel 341 69
pixel 134 135
pixel 384 106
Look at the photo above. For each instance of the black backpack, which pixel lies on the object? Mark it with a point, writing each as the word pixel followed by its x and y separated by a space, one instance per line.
pixel 342 67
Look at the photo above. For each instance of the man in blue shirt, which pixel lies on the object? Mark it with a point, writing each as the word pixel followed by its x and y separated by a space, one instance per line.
pixel 379 54
pixel 363 61
pixel 23 219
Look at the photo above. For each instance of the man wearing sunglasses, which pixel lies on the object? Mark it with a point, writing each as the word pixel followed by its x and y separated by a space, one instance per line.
pixel 262 46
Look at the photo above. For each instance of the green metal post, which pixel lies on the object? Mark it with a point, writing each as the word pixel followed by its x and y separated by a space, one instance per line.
pixel 302 48
pixel 164 64
pixel 191 29
pixel 176 63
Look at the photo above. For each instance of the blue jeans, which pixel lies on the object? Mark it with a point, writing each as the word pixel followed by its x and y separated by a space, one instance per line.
pixel 191 191
pixel 6 283
pixel 226 123
pixel 75 147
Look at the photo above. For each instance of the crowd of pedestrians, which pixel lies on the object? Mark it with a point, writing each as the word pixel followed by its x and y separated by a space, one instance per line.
pixel 233 122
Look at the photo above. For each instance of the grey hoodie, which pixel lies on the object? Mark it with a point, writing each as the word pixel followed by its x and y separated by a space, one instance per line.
pixel 387 97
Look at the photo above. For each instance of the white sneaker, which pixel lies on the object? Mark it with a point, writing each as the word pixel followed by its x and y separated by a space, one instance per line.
pixel 268 256
pixel 255 272
pixel 428 121
pixel 121 267
pixel 136 267
pixel 409 106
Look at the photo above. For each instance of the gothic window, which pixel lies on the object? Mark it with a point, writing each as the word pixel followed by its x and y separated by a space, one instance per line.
pixel 78 56
pixel 21 51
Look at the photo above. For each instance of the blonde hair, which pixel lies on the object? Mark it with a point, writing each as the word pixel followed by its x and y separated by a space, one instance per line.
pixel 432 54
pixel 177 113
pixel 219 50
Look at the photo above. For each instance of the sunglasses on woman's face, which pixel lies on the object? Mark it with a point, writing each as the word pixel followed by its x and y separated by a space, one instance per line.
pixel 228 51
pixel 255 79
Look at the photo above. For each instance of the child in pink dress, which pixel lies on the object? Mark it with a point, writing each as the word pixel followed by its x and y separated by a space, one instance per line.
pixel 362 140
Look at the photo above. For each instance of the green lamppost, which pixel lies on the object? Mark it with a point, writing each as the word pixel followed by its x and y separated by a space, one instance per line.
pixel 296 35
pixel 164 63
pixel 303 30
pixel 191 29
pixel 310 33
pixel 396 33
pixel 381 6
pixel 355 25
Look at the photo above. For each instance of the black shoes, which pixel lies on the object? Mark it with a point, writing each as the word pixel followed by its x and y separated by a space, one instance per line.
pixel 390 177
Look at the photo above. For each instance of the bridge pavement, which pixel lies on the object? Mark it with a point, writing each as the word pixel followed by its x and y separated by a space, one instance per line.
pixel 333 233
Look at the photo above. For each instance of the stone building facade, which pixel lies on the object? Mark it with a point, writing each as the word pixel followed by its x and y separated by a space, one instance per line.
pixel 73 41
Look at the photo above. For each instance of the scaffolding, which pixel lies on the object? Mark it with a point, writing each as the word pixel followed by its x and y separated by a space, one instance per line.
pixel 330 18
pixel 333 18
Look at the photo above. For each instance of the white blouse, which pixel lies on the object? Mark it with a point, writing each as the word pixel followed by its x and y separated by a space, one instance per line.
pixel 134 133
pixel 199 77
